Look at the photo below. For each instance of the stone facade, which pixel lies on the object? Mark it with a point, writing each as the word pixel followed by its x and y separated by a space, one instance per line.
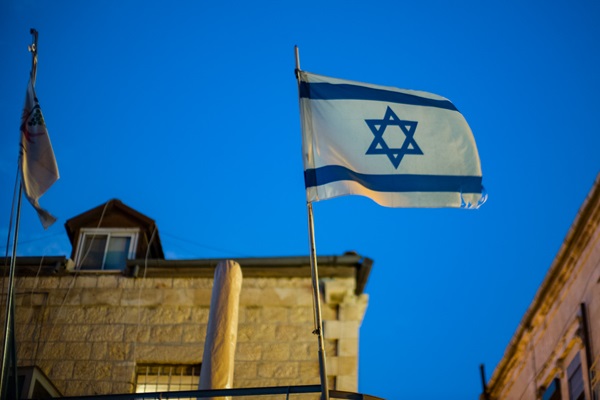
pixel 88 330
pixel 555 352
pixel 87 333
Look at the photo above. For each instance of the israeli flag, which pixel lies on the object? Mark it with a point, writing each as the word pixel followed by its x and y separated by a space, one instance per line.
pixel 400 148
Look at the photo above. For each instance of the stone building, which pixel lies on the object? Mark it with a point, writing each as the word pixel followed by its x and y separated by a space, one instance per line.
pixel 117 317
pixel 555 352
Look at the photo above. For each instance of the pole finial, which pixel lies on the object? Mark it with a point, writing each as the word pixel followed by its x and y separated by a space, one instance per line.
pixel 297 53
pixel 33 48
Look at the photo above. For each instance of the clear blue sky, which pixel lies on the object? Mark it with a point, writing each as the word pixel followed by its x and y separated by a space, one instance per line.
pixel 187 111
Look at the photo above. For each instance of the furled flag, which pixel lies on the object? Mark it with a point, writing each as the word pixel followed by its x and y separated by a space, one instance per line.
pixel 38 165
pixel 400 148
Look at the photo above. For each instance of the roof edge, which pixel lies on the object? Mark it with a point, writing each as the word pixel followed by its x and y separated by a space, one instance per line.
pixel 350 265
pixel 578 233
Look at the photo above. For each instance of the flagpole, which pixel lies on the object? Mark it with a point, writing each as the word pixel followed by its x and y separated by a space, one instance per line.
pixel 9 323
pixel 315 284
pixel 10 310
pixel 317 304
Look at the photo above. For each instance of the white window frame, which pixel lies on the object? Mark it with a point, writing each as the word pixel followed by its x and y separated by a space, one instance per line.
pixel 132 233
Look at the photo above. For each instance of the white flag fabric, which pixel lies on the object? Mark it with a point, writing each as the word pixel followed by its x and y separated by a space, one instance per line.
pixel 400 148
pixel 38 165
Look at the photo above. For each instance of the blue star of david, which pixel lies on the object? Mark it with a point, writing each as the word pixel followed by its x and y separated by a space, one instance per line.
pixel 379 146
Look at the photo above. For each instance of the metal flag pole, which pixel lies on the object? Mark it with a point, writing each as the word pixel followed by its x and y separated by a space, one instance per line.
pixel 315 283
pixel 9 348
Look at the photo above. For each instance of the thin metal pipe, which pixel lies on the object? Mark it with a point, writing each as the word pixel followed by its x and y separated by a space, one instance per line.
pixel 486 394
pixel 238 392
pixel 315 280
pixel 12 212
pixel 317 306
pixel 9 333
pixel 9 325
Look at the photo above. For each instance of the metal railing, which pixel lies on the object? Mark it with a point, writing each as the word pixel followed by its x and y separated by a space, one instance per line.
pixel 240 392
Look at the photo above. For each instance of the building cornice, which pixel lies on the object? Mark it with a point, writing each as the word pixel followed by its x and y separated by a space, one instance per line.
pixel 348 265
pixel 585 224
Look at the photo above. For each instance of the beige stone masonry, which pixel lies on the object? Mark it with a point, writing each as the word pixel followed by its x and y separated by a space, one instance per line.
pixel 88 332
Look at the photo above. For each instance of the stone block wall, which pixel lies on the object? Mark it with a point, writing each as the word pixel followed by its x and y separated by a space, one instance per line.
pixel 88 332
pixel 562 325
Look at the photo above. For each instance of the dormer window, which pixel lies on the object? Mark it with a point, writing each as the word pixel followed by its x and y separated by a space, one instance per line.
pixel 106 248
pixel 106 236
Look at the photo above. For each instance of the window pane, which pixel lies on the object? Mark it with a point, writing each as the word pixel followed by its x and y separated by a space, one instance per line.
pixel 553 391
pixel 92 251
pixel 167 378
pixel 116 254
pixel 575 378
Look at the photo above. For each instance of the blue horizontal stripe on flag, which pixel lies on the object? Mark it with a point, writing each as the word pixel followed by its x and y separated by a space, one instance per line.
pixel 330 91
pixel 394 183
